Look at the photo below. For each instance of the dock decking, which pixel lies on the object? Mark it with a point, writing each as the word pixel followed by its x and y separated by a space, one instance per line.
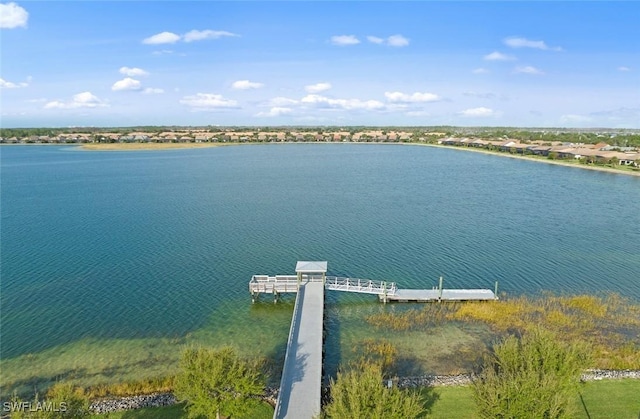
pixel 300 386
pixel 301 383
pixel 425 296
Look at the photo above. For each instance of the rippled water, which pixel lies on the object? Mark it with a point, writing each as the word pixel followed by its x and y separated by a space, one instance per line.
pixel 158 246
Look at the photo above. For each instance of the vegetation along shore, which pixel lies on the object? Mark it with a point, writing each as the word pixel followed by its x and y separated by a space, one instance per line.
pixel 608 150
pixel 598 343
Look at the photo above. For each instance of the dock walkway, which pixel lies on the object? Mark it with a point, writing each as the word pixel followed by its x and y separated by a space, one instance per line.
pixel 301 383
pixel 300 387
pixel 425 296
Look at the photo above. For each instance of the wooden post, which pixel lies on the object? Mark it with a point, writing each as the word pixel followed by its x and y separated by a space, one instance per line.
pixel 440 289
pixel 384 292
pixel 495 293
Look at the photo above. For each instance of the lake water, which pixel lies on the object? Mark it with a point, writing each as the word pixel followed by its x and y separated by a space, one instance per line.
pixel 111 261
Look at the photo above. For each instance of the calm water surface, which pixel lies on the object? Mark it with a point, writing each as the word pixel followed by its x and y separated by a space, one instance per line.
pixel 158 246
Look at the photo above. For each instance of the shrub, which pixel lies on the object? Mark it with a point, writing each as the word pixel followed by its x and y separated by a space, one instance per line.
pixel 533 377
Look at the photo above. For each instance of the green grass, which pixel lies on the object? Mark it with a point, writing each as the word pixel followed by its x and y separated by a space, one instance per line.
pixel 263 411
pixel 608 399
pixel 453 402
pixel 614 399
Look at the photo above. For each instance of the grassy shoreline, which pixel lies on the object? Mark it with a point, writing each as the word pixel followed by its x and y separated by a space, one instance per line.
pixel 598 399
pixel 566 163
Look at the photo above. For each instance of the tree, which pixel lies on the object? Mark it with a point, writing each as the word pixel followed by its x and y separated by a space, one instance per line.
pixel 360 394
pixel 536 376
pixel 215 382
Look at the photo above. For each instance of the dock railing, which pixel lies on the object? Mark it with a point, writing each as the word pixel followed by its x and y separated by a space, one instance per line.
pixel 364 286
pixel 289 283
pixel 273 284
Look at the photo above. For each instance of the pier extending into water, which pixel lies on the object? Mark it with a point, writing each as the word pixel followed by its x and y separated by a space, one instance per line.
pixel 301 383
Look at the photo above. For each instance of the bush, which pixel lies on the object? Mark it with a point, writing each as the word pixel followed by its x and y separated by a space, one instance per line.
pixel 360 394
pixel 215 382
pixel 533 377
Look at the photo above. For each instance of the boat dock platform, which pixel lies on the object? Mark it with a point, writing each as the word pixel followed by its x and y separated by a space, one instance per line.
pixel 301 382
pixel 386 291
pixel 435 295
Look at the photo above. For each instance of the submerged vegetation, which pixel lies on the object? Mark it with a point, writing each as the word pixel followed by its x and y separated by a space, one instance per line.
pixel 609 325
pixel 605 328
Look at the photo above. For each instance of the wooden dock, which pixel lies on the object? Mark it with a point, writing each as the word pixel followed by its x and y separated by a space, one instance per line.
pixel 429 296
pixel 301 383
pixel 386 291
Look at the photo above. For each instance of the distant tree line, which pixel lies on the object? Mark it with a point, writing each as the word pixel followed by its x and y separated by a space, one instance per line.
pixel 618 138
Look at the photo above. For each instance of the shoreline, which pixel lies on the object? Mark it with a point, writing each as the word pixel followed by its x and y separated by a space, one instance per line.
pixel 539 160
pixel 159 399
pixel 177 146
pixel 185 146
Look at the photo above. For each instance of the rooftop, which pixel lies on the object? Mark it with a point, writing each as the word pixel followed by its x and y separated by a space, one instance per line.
pixel 311 267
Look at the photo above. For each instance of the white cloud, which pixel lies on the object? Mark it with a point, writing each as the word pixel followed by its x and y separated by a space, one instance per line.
pixel 9 85
pixel 343 40
pixel 196 35
pixel 208 101
pixel 191 36
pixel 411 98
pixel 276 111
pixel 515 42
pixel 246 85
pixel 318 87
pixel 162 52
pixel 12 16
pixel 133 71
pixel 80 100
pixel 162 38
pixel 397 41
pixel 624 68
pixel 392 41
pixel 348 104
pixel 498 56
pixel 56 104
pixel 528 70
pixel 126 84
pixel 153 91
pixel 480 70
pixel 478 112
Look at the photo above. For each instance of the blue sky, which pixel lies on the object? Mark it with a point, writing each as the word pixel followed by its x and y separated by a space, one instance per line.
pixel 535 64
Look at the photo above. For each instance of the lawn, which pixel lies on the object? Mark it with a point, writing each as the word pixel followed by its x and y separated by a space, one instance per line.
pixel 614 399
pixel 608 399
